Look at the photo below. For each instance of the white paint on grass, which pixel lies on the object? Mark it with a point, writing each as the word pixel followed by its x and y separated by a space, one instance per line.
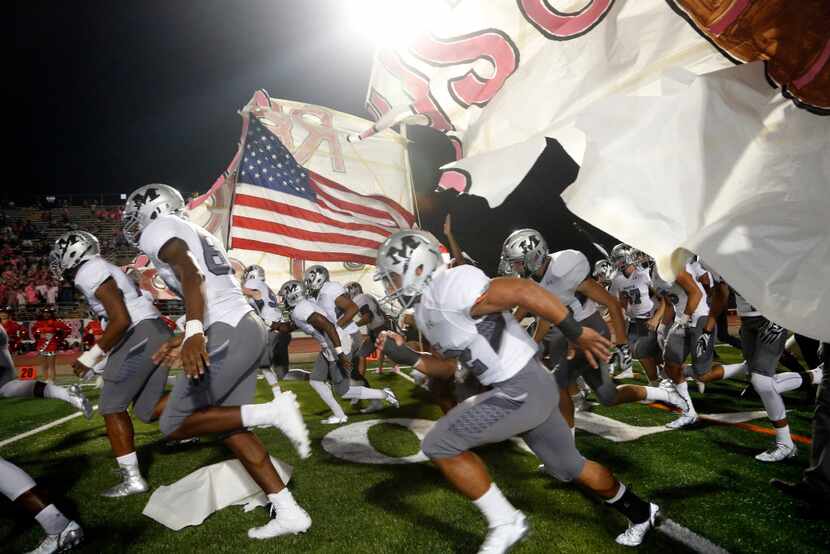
pixel 688 538
pixel 42 428
pixel 351 442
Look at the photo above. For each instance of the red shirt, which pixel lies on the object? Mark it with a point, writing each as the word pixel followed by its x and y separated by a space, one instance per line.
pixel 48 334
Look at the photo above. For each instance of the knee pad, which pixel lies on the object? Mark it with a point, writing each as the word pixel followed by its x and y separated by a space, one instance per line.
pixel 771 399
pixel 435 446
pixel 13 480
pixel 18 389
pixel 606 394
pixel 786 381
pixel 566 469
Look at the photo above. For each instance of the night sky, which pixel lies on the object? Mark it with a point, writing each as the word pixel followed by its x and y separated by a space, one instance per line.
pixel 108 96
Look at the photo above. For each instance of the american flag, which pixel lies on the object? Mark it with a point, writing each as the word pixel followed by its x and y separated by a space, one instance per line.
pixel 283 208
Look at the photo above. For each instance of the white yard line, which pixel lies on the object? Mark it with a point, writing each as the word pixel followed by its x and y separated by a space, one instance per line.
pixel 42 428
pixel 668 527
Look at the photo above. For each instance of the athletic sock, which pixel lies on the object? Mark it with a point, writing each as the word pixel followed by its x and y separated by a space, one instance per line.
pixel 496 508
pixel 127 460
pixel 730 371
pixel 323 390
pixel 782 435
pixel 630 505
pixel 683 390
pixel 271 379
pixel 656 394
pixel 56 392
pixel 283 501
pixel 254 415
pixel 364 393
pixel 52 520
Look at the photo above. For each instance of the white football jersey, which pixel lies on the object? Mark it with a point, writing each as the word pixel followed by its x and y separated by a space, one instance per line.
pixel 367 301
pixel 744 308
pixel 566 271
pixel 494 347
pixel 224 301
pixel 300 314
pixel 636 288
pixel 678 297
pixel 270 310
pixel 326 298
pixel 92 274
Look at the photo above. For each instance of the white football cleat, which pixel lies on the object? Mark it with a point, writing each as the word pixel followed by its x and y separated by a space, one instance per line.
pixel 685 419
pixel 374 406
pixel 334 420
pixel 391 398
pixel 636 532
pixel 778 452
pixel 131 483
pixel 69 538
pixel 285 416
pixel 79 401
pixel 627 374
pixel 580 403
pixel 677 401
pixel 502 538
pixel 287 522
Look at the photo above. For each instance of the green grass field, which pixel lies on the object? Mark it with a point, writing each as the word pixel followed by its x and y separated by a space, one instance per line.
pixel 704 478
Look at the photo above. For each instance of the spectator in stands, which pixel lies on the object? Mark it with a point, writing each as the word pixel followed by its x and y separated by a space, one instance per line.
pixel 31 294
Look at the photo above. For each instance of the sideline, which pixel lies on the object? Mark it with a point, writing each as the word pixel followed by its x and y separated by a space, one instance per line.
pixel 42 428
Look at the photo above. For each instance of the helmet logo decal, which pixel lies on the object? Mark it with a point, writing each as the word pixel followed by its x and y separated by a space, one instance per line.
pixel 141 199
pixel 530 244
pixel 408 244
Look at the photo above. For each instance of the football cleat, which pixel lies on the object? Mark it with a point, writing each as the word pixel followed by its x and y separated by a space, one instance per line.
pixel 502 538
pixel 131 483
pixel 69 538
pixel 374 406
pixel 581 403
pixel 627 374
pixel 778 452
pixel 686 419
pixel 636 532
pixel 391 398
pixel 287 522
pixel 286 416
pixel 334 420
pixel 677 401
pixel 79 401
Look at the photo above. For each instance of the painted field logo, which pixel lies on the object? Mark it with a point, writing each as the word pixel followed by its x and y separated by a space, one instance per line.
pixel 351 442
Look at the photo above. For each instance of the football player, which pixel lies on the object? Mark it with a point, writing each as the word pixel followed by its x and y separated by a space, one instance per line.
pixel 220 350
pixel 14 330
pixel 62 534
pixel 466 318
pixel 266 305
pixel 337 355
pixel 566 275
pixel 373 320
pixel 12 387
pixel 132 334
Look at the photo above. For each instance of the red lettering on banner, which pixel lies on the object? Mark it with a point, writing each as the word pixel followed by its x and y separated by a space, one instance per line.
pixel 281 126
pixel 416 86
pixel 377 104
pixel 324 131
pixel 491 45
pixel 557 25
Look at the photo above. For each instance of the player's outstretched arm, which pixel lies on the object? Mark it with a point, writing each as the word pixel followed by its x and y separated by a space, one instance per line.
pixel 345 303
pixel 394 346
pixel 596 292
pixel 328 329
pixel 118 321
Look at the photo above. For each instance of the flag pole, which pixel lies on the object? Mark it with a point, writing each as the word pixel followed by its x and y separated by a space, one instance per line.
pixel 408 170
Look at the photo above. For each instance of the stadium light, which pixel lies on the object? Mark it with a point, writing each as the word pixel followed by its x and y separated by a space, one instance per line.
pixel 392 23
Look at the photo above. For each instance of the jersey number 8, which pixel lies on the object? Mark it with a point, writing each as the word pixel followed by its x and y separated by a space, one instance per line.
pixel 215 259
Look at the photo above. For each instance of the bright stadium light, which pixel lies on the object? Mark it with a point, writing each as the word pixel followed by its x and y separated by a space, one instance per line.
pixel 392 23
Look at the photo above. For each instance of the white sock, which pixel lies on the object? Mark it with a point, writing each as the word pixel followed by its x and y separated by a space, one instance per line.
pixel 782 435
pixel 254 415
pixel 18 389
pixel 270 378
pixel 283 500
pixel 324 391
pixel 617 496
pixel 52 520
pixel 683 390
pixel 656 394
pixel 127 460
pixel 730 371
pixel 364 393
pixel 815 375
pixel 495 507
pixel 56 392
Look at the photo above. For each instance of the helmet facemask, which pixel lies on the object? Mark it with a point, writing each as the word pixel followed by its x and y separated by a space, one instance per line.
pixel 405 264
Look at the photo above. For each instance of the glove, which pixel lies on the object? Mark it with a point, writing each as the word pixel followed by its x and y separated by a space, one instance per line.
pixel 703 343
pixel 771 332
pixel 622 357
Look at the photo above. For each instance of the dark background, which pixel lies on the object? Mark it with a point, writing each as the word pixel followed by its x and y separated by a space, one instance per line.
pixel 108 96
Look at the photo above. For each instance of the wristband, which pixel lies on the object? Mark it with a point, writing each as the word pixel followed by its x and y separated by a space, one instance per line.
pixel 193 327
pixel 338 350
pixel 92 356
pixel 570 327
pixel 400 354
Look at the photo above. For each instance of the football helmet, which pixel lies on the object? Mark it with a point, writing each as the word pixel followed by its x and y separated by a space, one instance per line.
pixel 291 293
pixel 314 278
pixel 146 204
pixel 524 251
pixel 253 272
pixel 620 256
pixel 603 272
pixel 405 264
pixel 70 250
pixel 354 289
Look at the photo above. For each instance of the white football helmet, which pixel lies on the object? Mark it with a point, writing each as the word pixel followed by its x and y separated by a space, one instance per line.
pixel 292 292
pixel 146 204
pixel 524 251
pixel 405 264
pixel 354 289
pixel 620 256
pixel 70 250
pixel 603 272
pixel 253 272
pixel 314 278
